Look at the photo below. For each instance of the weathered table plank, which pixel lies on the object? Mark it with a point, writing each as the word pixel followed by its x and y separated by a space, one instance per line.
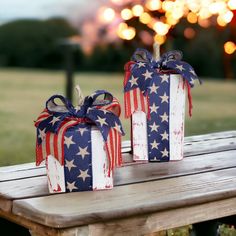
pixel 190 149
pixel 150 223
pixel 211 136
pixel 37 186
pixel 124 201
pixel 143 224
pixel 150 195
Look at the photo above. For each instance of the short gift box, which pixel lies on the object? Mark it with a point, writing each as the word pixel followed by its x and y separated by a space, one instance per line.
pixel 81 145
pixel 154 97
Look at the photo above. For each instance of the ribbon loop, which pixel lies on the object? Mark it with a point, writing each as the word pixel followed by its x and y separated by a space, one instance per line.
pixel 52 106
pixel 142 55
pixel 107 98
pixel 174 55
pixel 141 73
pixel 100 111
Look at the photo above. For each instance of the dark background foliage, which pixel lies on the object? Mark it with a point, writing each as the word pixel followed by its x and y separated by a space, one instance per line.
pixel 39 44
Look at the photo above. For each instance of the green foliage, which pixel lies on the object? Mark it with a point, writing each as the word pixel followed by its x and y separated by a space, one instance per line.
pixel 36 44
pixel 226 230
pixel 108 58
pixel 181 231
pixel 23 94
pixel 33 43
pixel 205 51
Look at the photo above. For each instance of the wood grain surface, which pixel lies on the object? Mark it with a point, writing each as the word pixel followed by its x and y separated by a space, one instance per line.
pixel 37 186
pixel 66 210
pixel 191 148
pixel 150 223
pixel 153 195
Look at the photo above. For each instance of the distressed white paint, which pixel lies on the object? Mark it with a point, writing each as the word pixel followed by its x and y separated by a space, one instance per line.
pixel 56 176
pixel 176 117
pixel 100 163
pixel 139 136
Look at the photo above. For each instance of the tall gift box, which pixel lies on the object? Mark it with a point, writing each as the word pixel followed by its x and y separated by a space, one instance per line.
pixel 154 97
pixel 81 145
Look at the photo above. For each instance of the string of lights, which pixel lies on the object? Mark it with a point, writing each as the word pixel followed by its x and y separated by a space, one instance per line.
pixel 161 16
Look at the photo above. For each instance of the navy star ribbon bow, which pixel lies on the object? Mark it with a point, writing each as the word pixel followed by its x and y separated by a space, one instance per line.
pixel 92 110
pixel 169 62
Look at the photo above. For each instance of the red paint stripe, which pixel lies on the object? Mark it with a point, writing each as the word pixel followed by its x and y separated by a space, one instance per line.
pixel 115 148
pixel 135 100
pixel 112 148
pixel 127 94
pixel 190 105
pixel 55 140
pixel 128 105
pixel 48 134
pixel 131 101
pixel 119 156
pixel 39 154
pixel 142 101
pixel 107 145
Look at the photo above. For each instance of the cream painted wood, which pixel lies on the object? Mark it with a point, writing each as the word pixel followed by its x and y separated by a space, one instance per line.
pixel 100 162
pixel 139 135
pixel 55 174
pixel 176 117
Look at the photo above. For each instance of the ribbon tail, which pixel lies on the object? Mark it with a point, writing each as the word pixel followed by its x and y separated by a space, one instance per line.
pixel 127 94
pixel 190 104
pixel 39 154
pixel 113 147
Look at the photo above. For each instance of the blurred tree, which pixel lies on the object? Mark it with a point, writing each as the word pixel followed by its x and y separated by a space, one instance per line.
pixel 110 57
pixel 205 45
pixel 33 43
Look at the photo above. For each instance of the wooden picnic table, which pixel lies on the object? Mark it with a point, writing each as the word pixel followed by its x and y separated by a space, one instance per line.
pixel 146 198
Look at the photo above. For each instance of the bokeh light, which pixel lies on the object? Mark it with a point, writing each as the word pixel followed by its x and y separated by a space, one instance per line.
pixel 232 4
pixel 145 18
pixel 229 47
pixel 189 33
pixel 126 14
pixel 160 39
pixel 106 14
pixel 161 28
pixel 160 16
pixel 153 5
pixel 137 10
pixel 192 18
pixel 126 32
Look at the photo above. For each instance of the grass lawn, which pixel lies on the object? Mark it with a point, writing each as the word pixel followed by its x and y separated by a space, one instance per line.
pixel 23 94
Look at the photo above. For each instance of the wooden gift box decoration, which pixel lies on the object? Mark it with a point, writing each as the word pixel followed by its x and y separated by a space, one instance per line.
pixel 154 97
pixel 81 145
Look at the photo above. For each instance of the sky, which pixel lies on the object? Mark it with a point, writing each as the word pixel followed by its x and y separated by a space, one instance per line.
pixel 19 9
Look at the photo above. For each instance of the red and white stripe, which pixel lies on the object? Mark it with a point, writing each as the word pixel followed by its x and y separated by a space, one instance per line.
pixel 134 99
pixel 113 107
pixel 113 146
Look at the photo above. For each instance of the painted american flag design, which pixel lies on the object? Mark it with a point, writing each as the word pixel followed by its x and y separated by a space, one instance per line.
pixel 147 88
pixel 64 132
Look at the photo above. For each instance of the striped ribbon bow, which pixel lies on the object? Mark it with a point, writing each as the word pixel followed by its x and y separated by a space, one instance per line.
pixel 142 70
pixel 56 119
